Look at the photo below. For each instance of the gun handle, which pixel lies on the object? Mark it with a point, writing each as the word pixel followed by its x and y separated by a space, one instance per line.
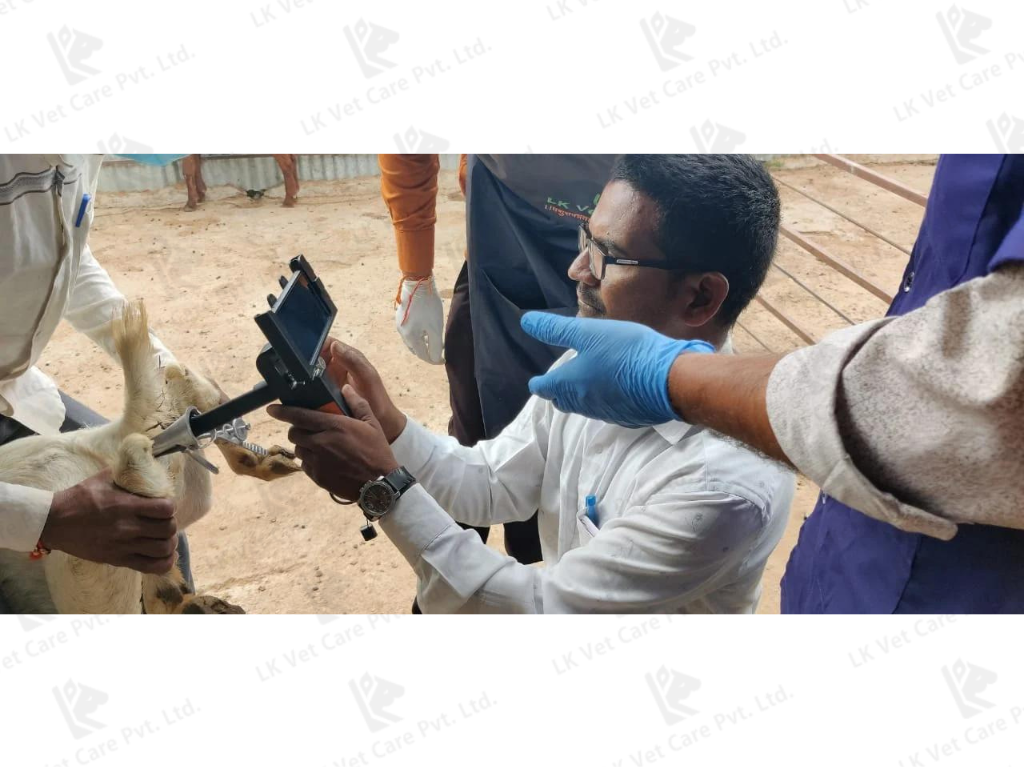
pixel 337 404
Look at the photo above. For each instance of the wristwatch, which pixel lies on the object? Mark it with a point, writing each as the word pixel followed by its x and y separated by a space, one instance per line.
pixel 378 497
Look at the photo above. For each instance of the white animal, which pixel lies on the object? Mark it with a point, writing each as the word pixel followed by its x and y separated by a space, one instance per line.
pixel 152 400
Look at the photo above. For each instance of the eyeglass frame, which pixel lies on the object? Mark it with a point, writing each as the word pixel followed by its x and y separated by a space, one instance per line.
pixel 586 241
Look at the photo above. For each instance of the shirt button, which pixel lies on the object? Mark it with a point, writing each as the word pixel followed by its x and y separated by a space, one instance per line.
pixel 909 281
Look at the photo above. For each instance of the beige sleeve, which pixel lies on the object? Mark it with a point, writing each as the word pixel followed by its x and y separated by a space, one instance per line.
pixel 916 420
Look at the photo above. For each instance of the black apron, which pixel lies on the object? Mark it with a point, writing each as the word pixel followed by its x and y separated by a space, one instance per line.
pixel 519 252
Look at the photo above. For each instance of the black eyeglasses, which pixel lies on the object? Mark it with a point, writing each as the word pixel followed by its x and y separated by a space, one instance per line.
pixel 600 259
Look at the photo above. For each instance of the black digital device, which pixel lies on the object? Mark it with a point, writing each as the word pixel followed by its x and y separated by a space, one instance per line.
pixel 295 326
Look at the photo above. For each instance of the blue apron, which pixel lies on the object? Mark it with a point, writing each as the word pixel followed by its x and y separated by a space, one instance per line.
pixel 846 562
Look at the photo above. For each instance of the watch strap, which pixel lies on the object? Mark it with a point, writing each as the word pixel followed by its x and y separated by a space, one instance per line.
pixel 401 480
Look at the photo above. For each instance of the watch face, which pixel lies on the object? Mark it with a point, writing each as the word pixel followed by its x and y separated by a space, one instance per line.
pixel 377 499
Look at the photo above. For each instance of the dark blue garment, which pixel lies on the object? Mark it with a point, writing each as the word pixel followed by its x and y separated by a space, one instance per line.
pixel 518 255
pixel 846 562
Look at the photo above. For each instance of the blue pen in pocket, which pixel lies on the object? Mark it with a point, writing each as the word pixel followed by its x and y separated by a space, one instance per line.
pixel 592 510
pixel 86 199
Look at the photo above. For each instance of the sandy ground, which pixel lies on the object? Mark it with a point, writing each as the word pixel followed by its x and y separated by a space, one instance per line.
pixel 286 547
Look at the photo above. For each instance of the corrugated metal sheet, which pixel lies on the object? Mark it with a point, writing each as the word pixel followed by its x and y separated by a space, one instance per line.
pixel 249 171
pixel 244 171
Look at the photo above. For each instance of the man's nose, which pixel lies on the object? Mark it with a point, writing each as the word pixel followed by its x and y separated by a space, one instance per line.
pixel 579 270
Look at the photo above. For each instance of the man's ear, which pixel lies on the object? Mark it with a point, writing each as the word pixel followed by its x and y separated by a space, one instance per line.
pixel 705 294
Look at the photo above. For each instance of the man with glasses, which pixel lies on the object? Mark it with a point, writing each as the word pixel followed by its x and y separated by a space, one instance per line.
pixel 522 213
pixel 669 518
pixel 912 424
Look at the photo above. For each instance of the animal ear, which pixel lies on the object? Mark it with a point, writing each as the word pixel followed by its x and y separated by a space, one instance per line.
pixel 173 371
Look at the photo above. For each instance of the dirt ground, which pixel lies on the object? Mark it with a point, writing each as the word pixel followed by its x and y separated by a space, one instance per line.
pixel 286 547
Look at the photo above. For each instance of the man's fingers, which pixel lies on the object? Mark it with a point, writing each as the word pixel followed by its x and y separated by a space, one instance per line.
pixel 314 441
pixel 325 350
pixel 149 528
pixel 156 549
pixel 559 331
pixel 543 386
pixel 303 418
pixel 418 346
pixel 335 367
pixel 435 348
pixel 355 361
pixel 553 384
pixel 154 565
pixel 302 438
pixel 357 404
pixel 155 509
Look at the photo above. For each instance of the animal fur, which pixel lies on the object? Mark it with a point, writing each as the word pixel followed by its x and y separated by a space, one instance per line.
pixel 152 400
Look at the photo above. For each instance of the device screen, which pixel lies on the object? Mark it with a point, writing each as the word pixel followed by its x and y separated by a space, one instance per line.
pixel 304 318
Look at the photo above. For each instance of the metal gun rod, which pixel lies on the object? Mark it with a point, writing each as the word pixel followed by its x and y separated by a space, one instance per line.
pixel 257 397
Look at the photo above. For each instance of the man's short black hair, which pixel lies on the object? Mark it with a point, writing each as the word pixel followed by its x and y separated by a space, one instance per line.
pixel 717 213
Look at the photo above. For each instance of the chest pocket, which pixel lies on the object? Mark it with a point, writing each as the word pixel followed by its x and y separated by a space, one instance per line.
pixel 585 529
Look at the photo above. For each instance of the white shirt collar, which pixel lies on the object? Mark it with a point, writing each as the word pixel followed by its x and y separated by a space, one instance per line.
pixel 674 431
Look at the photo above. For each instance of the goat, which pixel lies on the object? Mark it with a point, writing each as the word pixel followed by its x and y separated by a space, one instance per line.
pixel 62 583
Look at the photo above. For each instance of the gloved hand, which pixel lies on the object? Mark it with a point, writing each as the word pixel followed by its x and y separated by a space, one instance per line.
pixel 419 317
pixel 620 373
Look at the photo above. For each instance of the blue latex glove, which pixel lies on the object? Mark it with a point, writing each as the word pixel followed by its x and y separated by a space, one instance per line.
pixel 620 373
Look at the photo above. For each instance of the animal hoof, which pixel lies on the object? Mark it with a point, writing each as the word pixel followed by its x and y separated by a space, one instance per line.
pixel 209 604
